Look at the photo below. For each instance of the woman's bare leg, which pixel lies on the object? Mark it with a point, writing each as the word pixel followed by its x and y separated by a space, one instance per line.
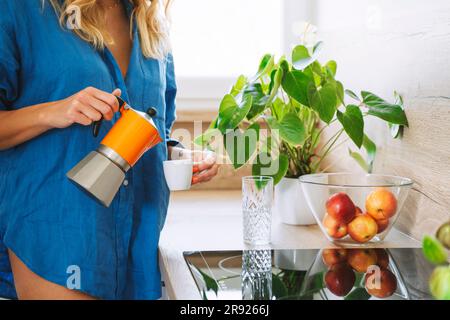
pixel 30 286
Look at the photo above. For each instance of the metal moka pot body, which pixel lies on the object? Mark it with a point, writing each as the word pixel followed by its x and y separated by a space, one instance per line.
pixel 101 173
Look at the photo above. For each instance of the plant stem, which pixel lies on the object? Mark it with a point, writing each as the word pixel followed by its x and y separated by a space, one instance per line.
pixel 338 145
pixel 322 130
pixel 330 139
pixel 324 155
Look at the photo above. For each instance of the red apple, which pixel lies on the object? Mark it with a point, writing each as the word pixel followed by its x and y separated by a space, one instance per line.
pixel 331 257
pixel 382 225
pixel 381 283
pixel 334 228
pixel 340 279
pixel 381 204
pixel 361 259
pixel 358 211
pixel 341 207
pixel 362 228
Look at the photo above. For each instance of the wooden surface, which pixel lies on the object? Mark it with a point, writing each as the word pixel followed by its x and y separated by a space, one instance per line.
pixel 399 45
pixel 212 220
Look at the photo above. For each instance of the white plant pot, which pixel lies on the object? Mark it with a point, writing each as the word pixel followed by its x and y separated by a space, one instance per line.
pixel 290 203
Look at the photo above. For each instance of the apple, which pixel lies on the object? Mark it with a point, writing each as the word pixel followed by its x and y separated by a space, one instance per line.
pixel 382 258
pixel 381 204
pixel 358 211
pixel 334 228
pixel 381 284
pixel 340 279
pixel 362 228
pixel 361 259
pixel 382 225
pixel 341 207
pixel 331 257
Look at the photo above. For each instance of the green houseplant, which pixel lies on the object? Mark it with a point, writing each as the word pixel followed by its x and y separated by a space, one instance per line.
pixel 280 119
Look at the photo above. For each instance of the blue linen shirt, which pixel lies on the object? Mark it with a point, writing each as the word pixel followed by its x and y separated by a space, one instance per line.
pixel 53 227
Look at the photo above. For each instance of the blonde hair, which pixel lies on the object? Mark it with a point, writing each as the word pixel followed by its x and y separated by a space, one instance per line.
pixel 151 19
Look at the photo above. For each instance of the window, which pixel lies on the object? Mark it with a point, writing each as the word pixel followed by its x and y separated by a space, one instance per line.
pixel 214 38
pixel 214 41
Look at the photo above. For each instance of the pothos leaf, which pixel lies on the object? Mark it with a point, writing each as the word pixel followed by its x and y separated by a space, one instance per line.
pixel 296 83
pixel 210 283
pixel 241 146
pixel 290 127
pixel 206 139
pixel 238 86
pixel 264 165
pixel 332 66
pixel 353 123
pixel 359 159
pixel 323 101
pixel 259 99
pixel 396 129
pixel 276 83
pixel 352 95
pixel 371 150
pixel 384 110
pixel 301 57
pixel 231 114
pixel 265 67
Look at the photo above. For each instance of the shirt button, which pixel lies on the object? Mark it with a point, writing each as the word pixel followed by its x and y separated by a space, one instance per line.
pixel 125 182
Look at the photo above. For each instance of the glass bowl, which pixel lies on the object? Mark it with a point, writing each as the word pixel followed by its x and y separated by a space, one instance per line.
pixel 355 209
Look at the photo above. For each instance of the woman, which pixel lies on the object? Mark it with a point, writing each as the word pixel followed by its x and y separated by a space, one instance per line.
pixel 62 62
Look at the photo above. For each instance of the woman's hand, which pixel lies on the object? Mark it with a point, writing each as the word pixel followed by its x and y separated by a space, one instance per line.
pixel 84 107
pixel 205 166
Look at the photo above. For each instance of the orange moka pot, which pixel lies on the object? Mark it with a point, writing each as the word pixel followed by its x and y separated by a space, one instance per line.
pixel 102 172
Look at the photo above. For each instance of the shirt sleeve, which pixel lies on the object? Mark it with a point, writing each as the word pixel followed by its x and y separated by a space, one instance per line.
pixel 9 58
pixel 171 92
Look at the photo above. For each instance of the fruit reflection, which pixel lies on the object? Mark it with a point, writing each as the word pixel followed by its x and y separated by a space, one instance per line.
pixel 382 258
pixel 340 279
pixel 361 259
pixel 331 257
pixel 380 283
pixel 343 264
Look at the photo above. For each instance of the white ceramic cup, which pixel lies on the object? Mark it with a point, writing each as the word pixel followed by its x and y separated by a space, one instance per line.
pixel 178 174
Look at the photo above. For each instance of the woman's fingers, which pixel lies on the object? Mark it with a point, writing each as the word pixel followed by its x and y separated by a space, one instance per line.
pixel 99 105
pixel 117 93
pixel 108 98
pixel 89 112
pixel 82 119
pixel 209 160
pixel 206 175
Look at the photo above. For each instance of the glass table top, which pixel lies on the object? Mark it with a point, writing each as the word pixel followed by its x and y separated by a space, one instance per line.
pixel 326 274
